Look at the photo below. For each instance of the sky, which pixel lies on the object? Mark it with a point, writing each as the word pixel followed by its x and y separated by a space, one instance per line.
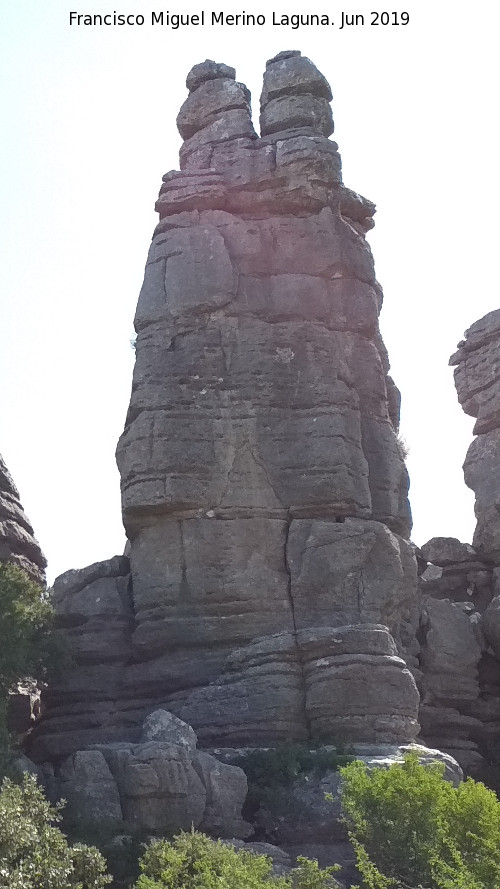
pixel 88 129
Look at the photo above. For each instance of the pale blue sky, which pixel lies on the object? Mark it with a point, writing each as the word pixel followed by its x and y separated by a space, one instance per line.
pixel 88 129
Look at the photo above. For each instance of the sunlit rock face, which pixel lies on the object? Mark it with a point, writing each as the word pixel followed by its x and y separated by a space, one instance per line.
pixel 17 540
pixel 477 378
pixel 264 492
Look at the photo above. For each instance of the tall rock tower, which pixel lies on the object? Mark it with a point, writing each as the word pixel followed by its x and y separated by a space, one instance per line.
pixel 272 589
pixel 263 487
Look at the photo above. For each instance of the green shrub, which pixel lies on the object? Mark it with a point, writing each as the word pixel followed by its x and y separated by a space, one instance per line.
pixel 309 875
pixel 193 861
pixel 118 843
pixel 34 854
pixel 28 647
pixel 268 771
pixel 411 827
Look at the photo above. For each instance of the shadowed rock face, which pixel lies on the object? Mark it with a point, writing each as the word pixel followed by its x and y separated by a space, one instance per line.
pixel 17 540
pixel 263 489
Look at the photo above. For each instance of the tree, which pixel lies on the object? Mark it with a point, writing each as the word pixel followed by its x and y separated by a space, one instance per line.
pixel 34 854
pixel 410 827
pixel 26 644
pixel 194 861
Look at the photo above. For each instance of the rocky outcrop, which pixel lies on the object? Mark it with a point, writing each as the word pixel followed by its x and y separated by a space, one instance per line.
pixel 304 816
pixel 264 491
pixel 17 539
pixel 460 652
pixel 162 784
pixel 477 378
pixel 319 683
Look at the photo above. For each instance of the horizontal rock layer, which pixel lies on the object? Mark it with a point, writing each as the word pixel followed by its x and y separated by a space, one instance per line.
pixel 477 379
pixel 264 490
pixel 161 785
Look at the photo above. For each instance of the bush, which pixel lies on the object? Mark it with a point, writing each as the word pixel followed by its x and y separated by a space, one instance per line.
pixel 268 771
pixel 193 861
pixel 118 843
pixel 411 827
pixel 27 645
pixel 34 854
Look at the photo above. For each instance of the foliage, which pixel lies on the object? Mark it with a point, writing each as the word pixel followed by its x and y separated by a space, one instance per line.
pixel 411 827
pixel 309 875
pixel 193 861
pixel 403 446
pixel 270 770
pixel 25 617
pixel 27 645
pixel 34 854
pixel 118 845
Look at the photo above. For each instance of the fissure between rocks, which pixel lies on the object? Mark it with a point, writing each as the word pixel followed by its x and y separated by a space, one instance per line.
pixel 300 656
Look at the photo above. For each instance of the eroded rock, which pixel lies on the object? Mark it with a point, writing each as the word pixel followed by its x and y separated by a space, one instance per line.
pixel 17 541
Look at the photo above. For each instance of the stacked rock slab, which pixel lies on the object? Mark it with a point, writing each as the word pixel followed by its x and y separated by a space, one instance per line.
pixel 264 492
pixel 17 539
pixel 455 586
pixel 477 379
pixel 163 784
pixel 460 637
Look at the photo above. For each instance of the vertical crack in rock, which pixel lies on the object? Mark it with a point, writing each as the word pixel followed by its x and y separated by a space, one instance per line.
pixel 300 654
pixel 361 594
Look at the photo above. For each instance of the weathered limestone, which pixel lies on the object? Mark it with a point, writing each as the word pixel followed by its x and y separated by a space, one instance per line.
pixel 477 378
pixel 94 610
pixel 318 683
pixel 160 785
pixel 17 540
pixel 264 492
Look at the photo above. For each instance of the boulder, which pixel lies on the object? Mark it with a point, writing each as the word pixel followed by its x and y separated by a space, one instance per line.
pixel 161 785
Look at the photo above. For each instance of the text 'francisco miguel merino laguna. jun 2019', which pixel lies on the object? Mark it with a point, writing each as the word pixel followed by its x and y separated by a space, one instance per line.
pixel 211 18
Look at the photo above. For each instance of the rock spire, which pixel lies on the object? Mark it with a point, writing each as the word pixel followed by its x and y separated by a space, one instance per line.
pixel 272 586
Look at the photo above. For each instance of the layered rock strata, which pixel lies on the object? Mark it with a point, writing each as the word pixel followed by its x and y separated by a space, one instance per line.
pixel 460 654
pixel 162 784
pixel 17 540
pixel 477 379
pixel 264 491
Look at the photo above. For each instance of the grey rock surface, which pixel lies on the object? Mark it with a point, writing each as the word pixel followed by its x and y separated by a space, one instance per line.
pixel 490 625
pixel 167 728
pixel 161 785
pixel 445 551
pixel 319 682
pixel 450 655
pixel 264 492
pixel 477 379
pixel 17 541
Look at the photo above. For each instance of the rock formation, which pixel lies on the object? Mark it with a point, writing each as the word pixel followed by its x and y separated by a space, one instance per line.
pixel 17 540
pixel 19 547
pixel 162 785
pixel 459 583
pixel 477 378
pixel 272 587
